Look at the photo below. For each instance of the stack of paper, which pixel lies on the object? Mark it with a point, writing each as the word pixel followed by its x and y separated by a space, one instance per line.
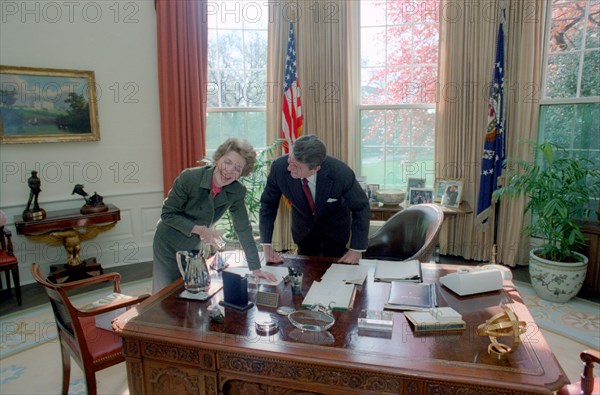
pixel 326 292
pixel 398 271
pixel 439 319
pixel 349 274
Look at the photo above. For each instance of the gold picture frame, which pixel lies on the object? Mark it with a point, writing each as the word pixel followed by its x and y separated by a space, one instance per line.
pixel 449 191
pixel 40 105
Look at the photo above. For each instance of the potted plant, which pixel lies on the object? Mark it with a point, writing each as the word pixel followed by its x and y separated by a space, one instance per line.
pixel 255 184
pixel 559 189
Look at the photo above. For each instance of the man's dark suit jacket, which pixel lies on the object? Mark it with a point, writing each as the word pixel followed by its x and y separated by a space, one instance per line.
pixel 341 204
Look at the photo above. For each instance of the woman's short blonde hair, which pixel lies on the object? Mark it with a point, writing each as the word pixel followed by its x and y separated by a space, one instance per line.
pixel 242 147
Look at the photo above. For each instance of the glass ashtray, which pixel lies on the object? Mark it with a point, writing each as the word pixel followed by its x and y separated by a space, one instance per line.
pixel 309 320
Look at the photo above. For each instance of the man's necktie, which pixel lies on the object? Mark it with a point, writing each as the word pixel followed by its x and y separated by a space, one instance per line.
pixel 308 194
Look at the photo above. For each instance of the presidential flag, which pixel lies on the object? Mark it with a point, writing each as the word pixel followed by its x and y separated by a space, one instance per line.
pixel 291 108
pixel 493 157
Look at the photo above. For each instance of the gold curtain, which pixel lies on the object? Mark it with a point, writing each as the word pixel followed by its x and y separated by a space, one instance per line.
pixel 524 52
pixel 466 57
pixel 277 44
pixel 323 43
pixel 323 54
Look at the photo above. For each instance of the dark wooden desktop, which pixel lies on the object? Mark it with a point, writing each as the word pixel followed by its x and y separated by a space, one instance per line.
pixel 171 346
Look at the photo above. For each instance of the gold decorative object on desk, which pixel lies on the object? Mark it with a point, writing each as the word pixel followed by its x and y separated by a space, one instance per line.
pixel 502 325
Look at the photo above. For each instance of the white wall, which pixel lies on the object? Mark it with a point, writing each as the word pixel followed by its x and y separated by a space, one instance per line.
pixel 117 40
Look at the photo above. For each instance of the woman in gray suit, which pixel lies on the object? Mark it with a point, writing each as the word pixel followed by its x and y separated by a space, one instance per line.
pixel 198 199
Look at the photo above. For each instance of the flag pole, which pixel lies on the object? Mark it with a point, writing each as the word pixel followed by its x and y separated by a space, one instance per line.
pixel 494 149
pixel 494 258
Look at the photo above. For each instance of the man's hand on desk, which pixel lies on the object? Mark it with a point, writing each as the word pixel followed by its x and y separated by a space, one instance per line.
pixel 271 256
pixel 351 257
pixel 262 274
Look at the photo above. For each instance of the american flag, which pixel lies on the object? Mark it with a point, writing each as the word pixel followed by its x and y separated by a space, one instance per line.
pixel 291 124
pixel 493 157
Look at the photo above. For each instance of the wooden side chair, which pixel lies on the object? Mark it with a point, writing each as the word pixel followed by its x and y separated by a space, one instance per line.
pixel 409 234
pixel 93 348
pixel 8 262
pixel 588 385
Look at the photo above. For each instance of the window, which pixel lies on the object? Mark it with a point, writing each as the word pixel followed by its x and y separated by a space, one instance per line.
pixel 570 101
pixel 398 64
pixel 237 72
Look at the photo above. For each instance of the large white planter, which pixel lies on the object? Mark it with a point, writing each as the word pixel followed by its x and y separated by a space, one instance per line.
pixel 556 281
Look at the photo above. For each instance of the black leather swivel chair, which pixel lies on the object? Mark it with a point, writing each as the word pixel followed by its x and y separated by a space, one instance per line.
pixel 410 234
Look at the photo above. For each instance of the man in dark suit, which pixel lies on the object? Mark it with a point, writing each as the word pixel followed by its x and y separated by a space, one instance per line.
pixel 334 211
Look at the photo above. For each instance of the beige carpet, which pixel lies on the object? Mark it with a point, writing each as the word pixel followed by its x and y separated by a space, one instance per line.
pixel 39 371
pixel 36 369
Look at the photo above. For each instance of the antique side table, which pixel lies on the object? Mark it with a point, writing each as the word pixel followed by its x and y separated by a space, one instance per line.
pixel 69 228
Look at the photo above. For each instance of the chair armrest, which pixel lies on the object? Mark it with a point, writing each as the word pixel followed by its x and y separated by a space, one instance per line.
pixel 115 277
pixel 117 304
pixel 590 356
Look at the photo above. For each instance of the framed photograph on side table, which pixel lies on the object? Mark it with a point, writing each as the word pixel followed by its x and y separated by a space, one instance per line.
pixel 415 183
pixel 448 191
pixel 420 196
pixel 47 105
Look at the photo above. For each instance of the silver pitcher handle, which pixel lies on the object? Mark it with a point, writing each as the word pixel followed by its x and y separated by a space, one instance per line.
pixel 178 255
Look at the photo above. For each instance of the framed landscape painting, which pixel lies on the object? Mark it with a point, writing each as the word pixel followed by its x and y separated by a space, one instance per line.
pixel 47 105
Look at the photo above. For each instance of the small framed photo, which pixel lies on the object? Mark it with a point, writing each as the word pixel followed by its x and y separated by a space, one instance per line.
pixel 420 196
pixel 448 191
pixel 415 183
pixel 372 190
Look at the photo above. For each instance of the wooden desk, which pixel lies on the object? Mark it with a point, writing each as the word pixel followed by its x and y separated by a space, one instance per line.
pixel 69 228
pixel 383 213
pixel 171 346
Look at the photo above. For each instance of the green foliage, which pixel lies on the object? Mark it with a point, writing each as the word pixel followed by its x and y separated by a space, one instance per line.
pixel 255 184
pixel 77 117
pixel 558 189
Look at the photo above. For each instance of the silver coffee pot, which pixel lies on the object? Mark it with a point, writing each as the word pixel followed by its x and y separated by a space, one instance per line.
pixel 194 270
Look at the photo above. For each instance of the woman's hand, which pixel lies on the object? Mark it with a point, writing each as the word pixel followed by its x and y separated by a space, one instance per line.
pixel 210 236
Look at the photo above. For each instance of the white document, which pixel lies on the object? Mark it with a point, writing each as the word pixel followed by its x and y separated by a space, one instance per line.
pixel 397 270
pixel 325 292
pixel 279 272
pixel 349 274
